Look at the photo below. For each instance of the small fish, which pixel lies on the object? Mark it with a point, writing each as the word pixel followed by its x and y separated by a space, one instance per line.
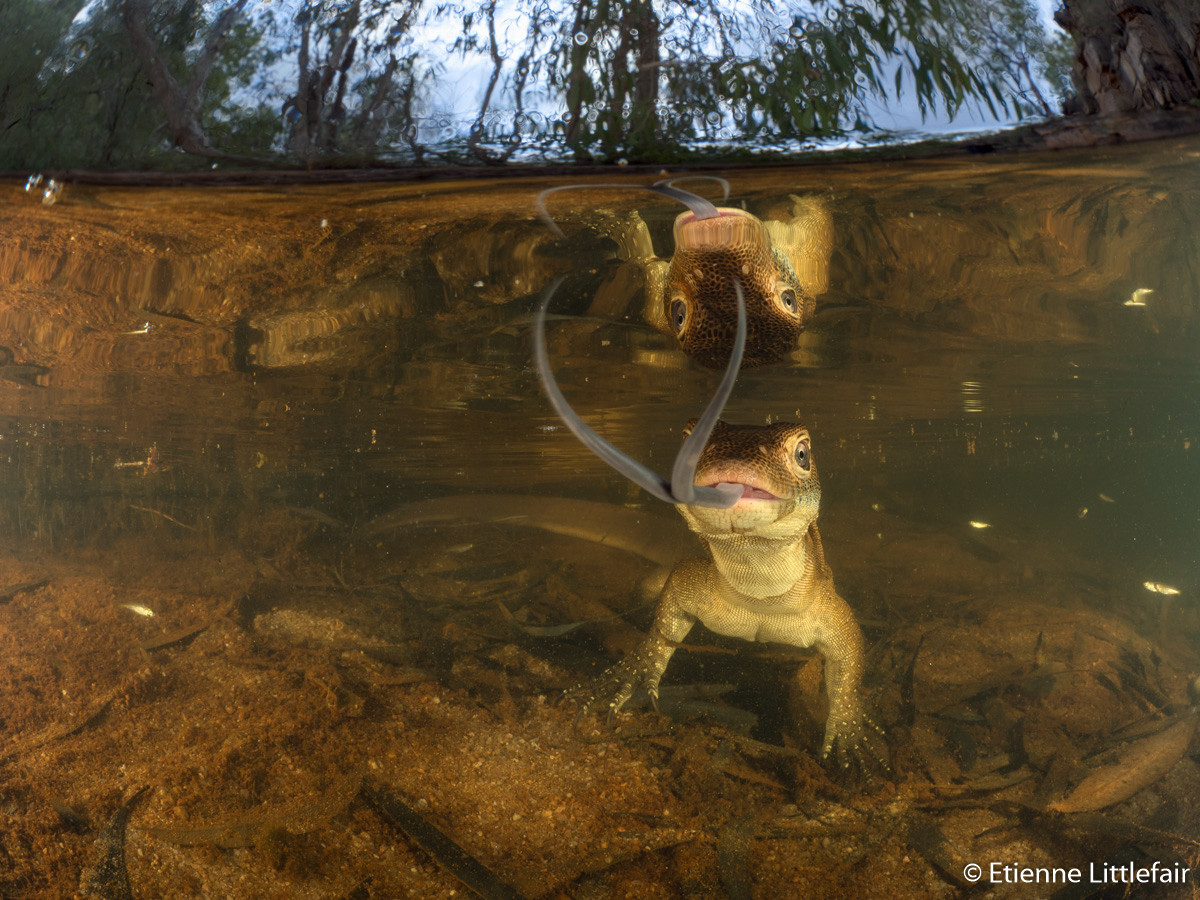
pixel 975 523
pixel 1139 297
pixel 1159 588
pixel 140 610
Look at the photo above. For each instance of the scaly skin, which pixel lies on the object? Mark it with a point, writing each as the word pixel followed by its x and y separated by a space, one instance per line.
pixel 782 265
pixel 765 580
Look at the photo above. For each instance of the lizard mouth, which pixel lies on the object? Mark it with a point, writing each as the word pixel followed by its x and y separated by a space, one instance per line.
pixel 749 491
pixel 730 229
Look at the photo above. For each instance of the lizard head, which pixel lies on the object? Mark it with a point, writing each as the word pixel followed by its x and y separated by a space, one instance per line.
pixel 700 310
pixel 773 465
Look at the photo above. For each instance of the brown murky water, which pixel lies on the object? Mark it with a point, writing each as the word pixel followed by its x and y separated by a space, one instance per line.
pixel 301 427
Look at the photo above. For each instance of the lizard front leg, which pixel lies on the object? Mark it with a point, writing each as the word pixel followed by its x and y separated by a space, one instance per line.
pixel 643 667
pixel 850 735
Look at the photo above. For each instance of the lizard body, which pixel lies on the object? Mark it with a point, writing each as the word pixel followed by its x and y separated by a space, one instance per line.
pixel 765 579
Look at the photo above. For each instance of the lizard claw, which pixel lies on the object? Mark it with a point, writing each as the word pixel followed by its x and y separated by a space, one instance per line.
pixel 854 744
pixel 610 691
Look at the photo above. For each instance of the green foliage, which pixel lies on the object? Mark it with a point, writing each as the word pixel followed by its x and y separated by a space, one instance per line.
pixel 335 81
pixel 87 103
pixel 771 73
pixel 236 123
pixel 31 32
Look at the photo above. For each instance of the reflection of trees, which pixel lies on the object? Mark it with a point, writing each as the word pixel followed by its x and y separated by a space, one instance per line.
pixel 593 79
pixel 182 103
pixel 1134 55
pixel 338 107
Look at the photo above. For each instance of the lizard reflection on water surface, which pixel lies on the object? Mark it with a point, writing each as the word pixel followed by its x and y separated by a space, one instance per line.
pixel 780 263
pixel 766 579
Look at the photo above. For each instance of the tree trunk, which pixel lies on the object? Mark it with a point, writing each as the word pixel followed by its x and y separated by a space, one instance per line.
pixel 181 103
pixel 1133 54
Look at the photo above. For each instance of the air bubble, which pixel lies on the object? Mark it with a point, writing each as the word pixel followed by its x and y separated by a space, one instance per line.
pixel 52 193
pixel 80 49
pixel 796 31
pixel 581 38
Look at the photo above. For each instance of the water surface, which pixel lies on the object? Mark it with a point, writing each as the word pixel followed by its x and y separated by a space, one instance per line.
pixel 301 426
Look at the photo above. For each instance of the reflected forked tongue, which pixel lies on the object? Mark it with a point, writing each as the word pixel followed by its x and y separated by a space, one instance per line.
pixel 748 492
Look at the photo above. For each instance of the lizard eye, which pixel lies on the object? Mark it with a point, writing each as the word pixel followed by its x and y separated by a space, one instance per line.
pixel 788 298
pixel 803 457
pixel 678 315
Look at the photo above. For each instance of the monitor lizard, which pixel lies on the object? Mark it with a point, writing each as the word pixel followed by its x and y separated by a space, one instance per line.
pixel 765 579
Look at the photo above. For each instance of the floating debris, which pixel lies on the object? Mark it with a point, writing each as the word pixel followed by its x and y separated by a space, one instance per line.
pixel 1083 512
pixel 1107 499
pixel 1139 297
pixel 1159 588
pixel 109 879
pixel 146 328
pixel 151 465
pixel 52 192
pixel 139 609
pixel 160 513
pixel 975 523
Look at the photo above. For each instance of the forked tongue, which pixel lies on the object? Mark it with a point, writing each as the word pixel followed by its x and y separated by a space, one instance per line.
pixel 681 487
pixel 701 208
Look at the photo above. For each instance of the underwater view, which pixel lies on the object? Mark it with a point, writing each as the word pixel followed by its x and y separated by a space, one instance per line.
pixel 308 588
